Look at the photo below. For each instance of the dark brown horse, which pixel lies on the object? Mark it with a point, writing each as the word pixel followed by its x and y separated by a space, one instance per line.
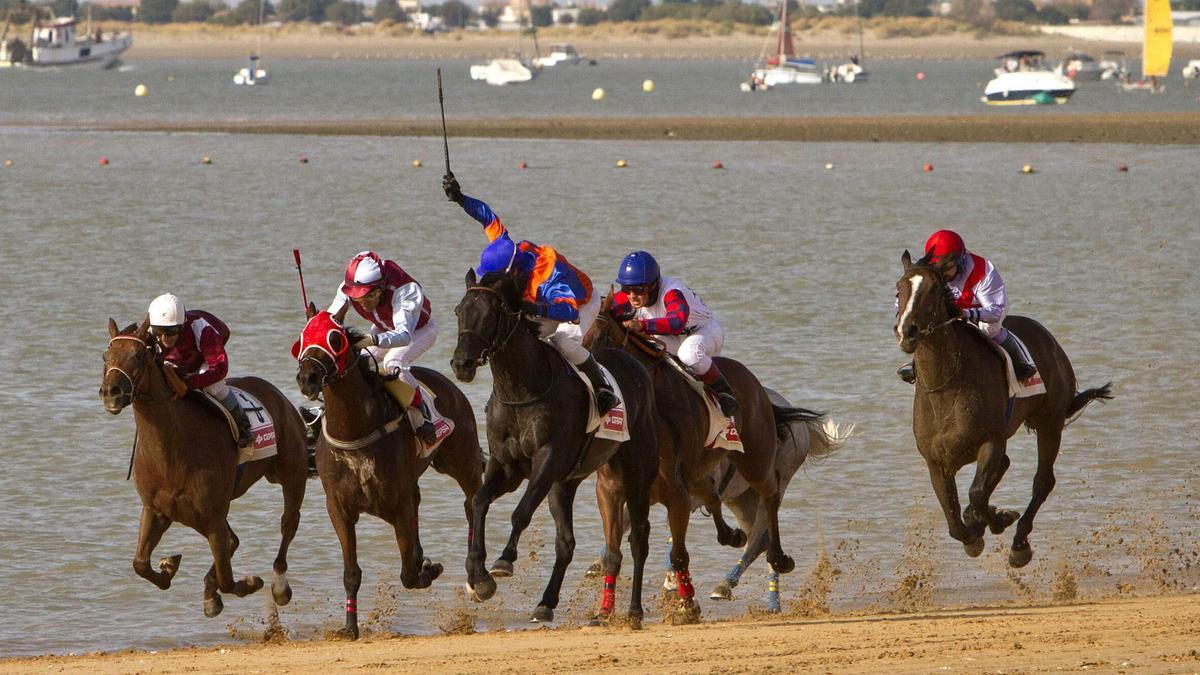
pixel 185 465
pixel 682 426
pixel 370 466
pixel 962 413
pixel 537 429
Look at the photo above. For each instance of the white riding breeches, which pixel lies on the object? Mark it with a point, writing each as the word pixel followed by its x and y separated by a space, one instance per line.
pixel 697 349
pixel 218 389
pixel 402 358
pixel 567 337
pixel 995 331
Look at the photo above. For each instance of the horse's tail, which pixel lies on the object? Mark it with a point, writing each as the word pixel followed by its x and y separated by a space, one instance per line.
pixel 828 436
pixel 1086 396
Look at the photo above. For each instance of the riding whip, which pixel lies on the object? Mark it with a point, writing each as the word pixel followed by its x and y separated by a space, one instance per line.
pixel 300 271
pixel 445 142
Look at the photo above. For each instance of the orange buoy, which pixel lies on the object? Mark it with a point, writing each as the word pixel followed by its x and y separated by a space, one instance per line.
pixel 522 165
pixel 920 75
pixel 1123 168
pixel 103 161
pixel 416 163
pixel 718 165
pixel 8 162
pixel 928 168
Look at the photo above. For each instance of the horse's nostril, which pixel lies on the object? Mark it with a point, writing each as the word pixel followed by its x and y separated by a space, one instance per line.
pixel 910 331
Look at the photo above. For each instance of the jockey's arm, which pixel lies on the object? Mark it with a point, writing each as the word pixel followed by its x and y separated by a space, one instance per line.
pixel 621 309
pixel 483 214
pixel 214 358
pixel 676 317
pixel 406 311
pixel 341 303
pixel 993 301
pixel 556 301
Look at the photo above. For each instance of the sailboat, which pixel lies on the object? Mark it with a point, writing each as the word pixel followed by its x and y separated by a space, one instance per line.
pixel 254 73
pixel 853 70
pixel 509 69
pixel 783 67
pixel 1156 46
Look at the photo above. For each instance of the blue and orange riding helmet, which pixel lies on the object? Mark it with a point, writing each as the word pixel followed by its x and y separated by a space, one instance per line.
pixel 503 255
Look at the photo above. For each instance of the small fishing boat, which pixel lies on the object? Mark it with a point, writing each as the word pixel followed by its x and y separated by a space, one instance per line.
pixel 1023 79
pixel 54 42
pixel 855 69
pixel 254 74
pixel 562 54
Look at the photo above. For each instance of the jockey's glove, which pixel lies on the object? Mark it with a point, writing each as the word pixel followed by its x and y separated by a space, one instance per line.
pixel 532 308
pixel 452 189
pixel 364 342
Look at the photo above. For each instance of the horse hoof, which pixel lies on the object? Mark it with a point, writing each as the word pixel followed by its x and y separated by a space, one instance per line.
pixel 670 583
pixel 1002 519
pixel 973 547
pixel 738 539
pixel 784 565
pixel 1020 557
pixel 685 612
pixel 635 619
pixel 481 591
pixel 213 606
pixel 721 592
pixel 430 571
pixel 247 585
pixel 773 607
pixel 542 614
pixel 170 566
pixel 281 595
pixel 599 620
pixel 502 568
pixel 594 571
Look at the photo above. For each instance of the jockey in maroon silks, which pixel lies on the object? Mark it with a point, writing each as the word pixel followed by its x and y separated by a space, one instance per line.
pixel 193 342
pixel 978 292
pixel 402 328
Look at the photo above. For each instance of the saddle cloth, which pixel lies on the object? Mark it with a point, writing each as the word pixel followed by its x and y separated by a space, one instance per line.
pixel 614 426
pixel 262 426
pixel 1033 386
pixel 443 426
pixel 722 430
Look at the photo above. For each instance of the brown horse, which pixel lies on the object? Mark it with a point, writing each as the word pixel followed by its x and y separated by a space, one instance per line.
pixel 185 465
pixel 370 466
pixel 961 409
pixel 682 426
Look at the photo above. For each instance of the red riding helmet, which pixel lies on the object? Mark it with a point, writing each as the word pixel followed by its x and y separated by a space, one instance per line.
pixel 363 274
pixel 944 245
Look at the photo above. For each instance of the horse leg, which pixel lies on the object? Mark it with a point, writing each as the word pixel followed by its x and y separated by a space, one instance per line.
pixel 678 514
pixel 222 541
pixel 610 498
pixel 744 507
pixel 990 466
pixel 150 532
pixel 947 493
pixel 289 522
pixel 1043 482
pixel 343 525
pixel 769 498
pixel 416 571
pixel 480 584
pixel 536 490
pixel 732 537
pixel 639 542
pixel 562 503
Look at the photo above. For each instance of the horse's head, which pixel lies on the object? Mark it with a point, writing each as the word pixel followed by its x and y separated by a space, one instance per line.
pixel 488 314
pixel 128 356
pixel 924 302
pixel 323 352
pixel 606 332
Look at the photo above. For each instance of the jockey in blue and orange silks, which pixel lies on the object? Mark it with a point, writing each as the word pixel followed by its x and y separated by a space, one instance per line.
pixel 556 294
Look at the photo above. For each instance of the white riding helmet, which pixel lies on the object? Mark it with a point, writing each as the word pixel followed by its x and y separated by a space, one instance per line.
pixel 166 310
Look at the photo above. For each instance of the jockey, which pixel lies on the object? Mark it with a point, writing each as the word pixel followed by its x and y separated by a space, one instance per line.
pixel 402 329
pixel 978 291
pixel 556 294
pixel 193 342
pixel 651 304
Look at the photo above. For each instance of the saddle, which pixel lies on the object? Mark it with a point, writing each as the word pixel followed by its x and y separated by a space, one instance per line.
pixel 262 426
pixel 1033 385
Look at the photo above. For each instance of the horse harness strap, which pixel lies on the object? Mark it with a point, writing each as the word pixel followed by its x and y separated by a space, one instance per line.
pixel 360 443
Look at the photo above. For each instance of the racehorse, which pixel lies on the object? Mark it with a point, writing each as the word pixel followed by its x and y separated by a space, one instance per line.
pixel 537 429
pixel 682 426
pixel 367 455
pixel 962 412
pixel 185 465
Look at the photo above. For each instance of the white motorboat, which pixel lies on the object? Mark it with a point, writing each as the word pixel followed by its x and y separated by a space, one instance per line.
pixel 1023 79
pixel 853 70
pixel 503 71
pixel 1192 70
pixel 253 74
pixel 1079 67
pixel 783 67
pixel 54 42
pixel 1113 65
pixel 560 55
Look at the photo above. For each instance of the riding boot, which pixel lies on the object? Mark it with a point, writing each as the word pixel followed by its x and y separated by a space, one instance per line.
pixel 410 401
pixel 715 380
pixel 245 439
pixel 1022 368
pixel 605 398
pixel 907 372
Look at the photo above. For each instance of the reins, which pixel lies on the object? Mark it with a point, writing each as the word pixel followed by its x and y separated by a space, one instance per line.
pixel 133 384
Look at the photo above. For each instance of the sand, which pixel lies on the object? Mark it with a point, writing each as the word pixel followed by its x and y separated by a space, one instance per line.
pixel 1144 635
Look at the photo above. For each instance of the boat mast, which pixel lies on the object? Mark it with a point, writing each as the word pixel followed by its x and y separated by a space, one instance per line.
pixel 258 37
pixel 858 19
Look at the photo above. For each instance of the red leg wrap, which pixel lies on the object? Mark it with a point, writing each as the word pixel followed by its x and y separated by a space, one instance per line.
pixel 351 607
pixel 609 597
pixel 684 581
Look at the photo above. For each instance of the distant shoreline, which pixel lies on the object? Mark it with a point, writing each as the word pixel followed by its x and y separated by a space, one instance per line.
pixel 1010 127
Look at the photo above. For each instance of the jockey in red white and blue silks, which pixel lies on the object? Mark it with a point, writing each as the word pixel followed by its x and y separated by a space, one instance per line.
pixel 664 307
pixel 402 325
pixel 978 291
pixel 556 294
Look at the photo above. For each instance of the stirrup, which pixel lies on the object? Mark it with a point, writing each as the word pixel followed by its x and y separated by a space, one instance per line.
pixel 728 404
pixel 427 433
pixel 606 399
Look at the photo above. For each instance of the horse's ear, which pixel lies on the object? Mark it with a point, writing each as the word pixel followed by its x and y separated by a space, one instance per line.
pixel 471 280
pixel 143 329
pixel 113 331
pixel 606 303
pixel 906 260
pixel 311 310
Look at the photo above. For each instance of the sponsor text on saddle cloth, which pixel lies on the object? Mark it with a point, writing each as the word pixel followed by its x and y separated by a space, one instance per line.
pixel 1033 385
pixel 722 432
pixel 614 426
pixel 262 427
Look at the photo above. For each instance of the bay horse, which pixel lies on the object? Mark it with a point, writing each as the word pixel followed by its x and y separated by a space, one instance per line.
pixel 367 468
pixel 962 412
pixel 682 426
pixel 185 465
pixel 537 429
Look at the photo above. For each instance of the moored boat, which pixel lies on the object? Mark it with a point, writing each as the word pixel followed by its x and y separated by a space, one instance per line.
pixel 54 42
pixel 783 67
pixel 1023 79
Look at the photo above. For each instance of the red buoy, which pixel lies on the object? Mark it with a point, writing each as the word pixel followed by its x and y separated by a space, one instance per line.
pixel 920 75
pixel 718 165
pixel 1122 168
pixel 522 165
pixel 103 161
pixel 303 159
pixel 928 168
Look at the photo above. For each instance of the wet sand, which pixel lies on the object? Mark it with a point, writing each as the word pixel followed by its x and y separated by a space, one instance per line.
pixel 1006 127
pixel 1146 635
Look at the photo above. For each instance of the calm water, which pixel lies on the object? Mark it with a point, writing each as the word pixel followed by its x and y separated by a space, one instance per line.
pixel 798 261
pixel 372 89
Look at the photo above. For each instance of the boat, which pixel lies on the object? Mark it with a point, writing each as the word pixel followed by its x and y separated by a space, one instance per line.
pixel 509 69
pixel 783 67
pixel 1157 40
pixel 1192 70
pixel 853 70
pixel 1113 65
pixel 254 73
pixel 1079 67
pixel 1023 79
pixel 54 42
pixel 562 54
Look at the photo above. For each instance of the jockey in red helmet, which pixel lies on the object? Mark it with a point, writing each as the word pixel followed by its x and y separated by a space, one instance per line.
pixel 402 328
pixel 978 292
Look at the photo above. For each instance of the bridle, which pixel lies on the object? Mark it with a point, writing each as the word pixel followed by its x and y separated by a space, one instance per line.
pixel 327 376
pixel 649 345
pixel 133 383
pixel 933 327
pixel 493 346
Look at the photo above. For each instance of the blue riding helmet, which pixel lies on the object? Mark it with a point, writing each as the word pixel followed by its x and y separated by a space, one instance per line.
pixel 503 255
pixel 638 269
